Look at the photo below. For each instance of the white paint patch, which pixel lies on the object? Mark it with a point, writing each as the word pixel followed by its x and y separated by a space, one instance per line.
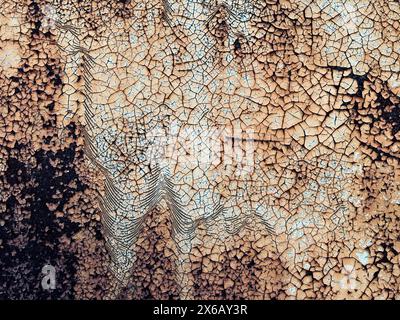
pixel 362 257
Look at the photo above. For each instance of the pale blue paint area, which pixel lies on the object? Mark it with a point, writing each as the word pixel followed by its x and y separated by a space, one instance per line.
pixel 363 256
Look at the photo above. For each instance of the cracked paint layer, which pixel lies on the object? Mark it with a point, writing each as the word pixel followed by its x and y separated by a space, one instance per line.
pixel 200 149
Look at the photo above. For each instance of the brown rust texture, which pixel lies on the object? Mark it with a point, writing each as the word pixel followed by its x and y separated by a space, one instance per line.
pixel 216 149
